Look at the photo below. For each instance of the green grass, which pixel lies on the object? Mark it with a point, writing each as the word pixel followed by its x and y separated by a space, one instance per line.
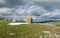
pixel 56 23
pixel 24 31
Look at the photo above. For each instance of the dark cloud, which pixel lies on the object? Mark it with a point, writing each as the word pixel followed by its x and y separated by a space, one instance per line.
pixel 2 5
pixel 30 8
pixel 45 3
pixel 11 3
pixel 51 4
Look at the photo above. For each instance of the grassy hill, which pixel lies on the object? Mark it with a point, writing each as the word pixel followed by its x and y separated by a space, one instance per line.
pixel 28 30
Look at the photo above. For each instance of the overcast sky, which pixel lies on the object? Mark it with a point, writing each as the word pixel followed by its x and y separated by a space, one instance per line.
pixel 42 8
pixel 11 3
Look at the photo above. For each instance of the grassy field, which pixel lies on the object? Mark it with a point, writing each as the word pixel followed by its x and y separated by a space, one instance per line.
pixel 27 30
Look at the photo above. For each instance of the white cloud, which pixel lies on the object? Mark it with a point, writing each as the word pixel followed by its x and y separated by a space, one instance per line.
pixel 55 13
pixel 5 10
pixel 30 10
pixel 2 1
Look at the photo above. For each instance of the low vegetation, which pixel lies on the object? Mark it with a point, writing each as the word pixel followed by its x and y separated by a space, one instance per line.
pixel 25 31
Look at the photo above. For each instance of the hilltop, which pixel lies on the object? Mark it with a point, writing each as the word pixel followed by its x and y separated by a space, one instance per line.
pixel 34 30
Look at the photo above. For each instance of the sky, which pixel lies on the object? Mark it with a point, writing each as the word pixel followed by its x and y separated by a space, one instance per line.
pixel 40 10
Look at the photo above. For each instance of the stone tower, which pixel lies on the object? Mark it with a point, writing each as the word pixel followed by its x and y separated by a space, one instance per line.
pixel 28 19
pixel 14 20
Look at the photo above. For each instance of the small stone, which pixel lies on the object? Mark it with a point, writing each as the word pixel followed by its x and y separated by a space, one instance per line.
pixel 46 32
pixel 21 33
pixel 40 36
pixel 35 34
pixel 11 34
pixel 53 29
